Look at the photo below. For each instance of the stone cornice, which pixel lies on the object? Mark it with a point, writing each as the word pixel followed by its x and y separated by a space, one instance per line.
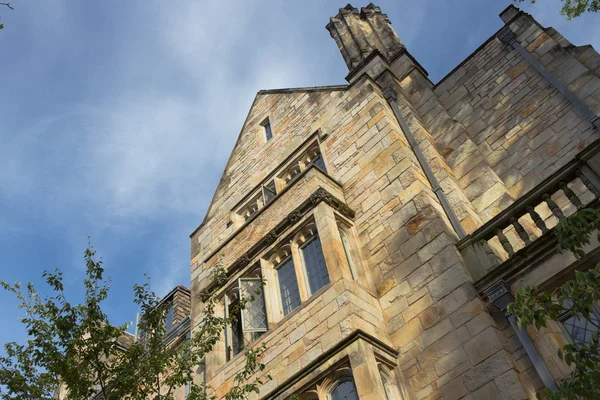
pixel 318 196
pixel 356 335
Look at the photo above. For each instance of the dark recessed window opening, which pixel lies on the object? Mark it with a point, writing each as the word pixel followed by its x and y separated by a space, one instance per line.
pixel 268 130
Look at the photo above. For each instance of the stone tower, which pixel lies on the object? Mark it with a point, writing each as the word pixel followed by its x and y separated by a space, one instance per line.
pixel 392 218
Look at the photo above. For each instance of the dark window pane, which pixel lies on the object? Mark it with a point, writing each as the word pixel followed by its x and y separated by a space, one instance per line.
pixel 288 286
pixel 581 329
pixel 268 131
pixel 344 391
pixel 237 335
pixel 169 317
pixel 314 262
pixel 318 161
pixel 269 192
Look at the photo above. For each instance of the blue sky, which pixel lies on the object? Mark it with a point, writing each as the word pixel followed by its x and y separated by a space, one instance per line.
pixel 117 117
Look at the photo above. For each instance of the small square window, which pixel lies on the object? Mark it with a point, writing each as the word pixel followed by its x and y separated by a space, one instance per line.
pixel 268 131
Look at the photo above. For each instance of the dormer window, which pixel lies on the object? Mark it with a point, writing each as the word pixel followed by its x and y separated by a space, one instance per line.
pixel 267 129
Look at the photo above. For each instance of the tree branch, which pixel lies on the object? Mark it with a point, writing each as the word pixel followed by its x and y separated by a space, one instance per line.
pixel 7 5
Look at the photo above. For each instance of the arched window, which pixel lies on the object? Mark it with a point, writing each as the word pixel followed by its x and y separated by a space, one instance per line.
pixel 344 391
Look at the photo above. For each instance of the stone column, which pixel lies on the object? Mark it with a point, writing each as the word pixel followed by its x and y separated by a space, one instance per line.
pixel 331 242
pixel 300 273
pixel 216 357
pixel 271 292
pixel 367 377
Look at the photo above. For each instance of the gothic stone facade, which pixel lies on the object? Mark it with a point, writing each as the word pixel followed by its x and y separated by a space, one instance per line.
pixel 391 216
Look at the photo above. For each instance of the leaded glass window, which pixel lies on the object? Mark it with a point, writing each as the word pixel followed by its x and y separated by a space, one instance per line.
pixel 254 315
pixel 344 391
pixel 314 264
pixel 248 324
pixel 579 328
pixel 288 286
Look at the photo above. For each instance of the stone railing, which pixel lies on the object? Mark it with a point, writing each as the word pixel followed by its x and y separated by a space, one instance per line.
pixel 523 233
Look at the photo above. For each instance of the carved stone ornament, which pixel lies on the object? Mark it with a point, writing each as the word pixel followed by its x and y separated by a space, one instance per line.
pixel 243 261
pixel 270 238
pixel 321 195
pixel 294 217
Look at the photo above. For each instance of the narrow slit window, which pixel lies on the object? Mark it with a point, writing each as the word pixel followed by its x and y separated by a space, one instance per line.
pixel 268 130
pixel 314 264
pixel 288 286
pixel 347 251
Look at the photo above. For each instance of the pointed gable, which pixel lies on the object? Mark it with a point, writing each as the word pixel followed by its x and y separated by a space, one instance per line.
pixel 293 115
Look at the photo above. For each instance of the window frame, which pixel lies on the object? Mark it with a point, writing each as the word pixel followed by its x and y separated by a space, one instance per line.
pixel 339 383
pixel 233 291
pixel 280 295
pixel 267 130
pixel 568 315
pixel 301 247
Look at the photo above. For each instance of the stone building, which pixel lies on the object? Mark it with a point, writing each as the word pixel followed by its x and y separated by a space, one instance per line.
pixel 392 218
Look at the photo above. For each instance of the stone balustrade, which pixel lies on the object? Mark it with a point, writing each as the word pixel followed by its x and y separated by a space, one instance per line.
pixel 512 236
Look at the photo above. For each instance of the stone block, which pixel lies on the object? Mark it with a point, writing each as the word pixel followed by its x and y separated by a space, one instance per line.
pixel 450 361
pixel 483 345
pixel 486 371
pixel 447 282
pixel 510 386
pixel 487 392
pixel 407 333
pixel 454 390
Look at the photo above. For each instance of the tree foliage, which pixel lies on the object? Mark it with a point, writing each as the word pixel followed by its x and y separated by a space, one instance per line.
pixel 573 8
pixel 576 297
pixel 74 347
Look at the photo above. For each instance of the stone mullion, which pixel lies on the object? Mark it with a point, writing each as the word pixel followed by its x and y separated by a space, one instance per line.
pixel 300 273
pixel 217 356
pixel 331 243
pixel 365 372
pixel 271 292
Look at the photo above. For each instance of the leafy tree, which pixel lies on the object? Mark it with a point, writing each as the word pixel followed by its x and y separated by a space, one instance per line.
pixel 72 348
pixel 532 307
pixel 573 8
